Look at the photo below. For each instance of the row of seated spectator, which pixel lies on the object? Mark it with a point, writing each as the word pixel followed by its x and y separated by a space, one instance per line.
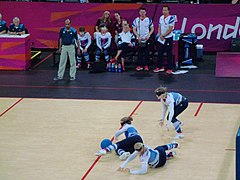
pixel 103 45
pixel 15 28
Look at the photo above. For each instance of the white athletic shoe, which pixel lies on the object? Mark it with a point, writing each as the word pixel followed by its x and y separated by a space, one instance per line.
pixel 124 156
pixel 178 145
pixel 101 152
pixel 179 136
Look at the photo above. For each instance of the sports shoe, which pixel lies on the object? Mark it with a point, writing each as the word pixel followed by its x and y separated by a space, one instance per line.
pixel 177 145
pixel 158 70
pixel 124 156
pixel 146 68
pixel 101 152
pixel 57 78
pixel 139 68
pixel 169 71
pixel 72 79
pixel 171 154
pixel 78 66
pixel 179 136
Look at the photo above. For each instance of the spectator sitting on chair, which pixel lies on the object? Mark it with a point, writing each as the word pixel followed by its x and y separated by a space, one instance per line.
pixel 103 41
pixel 67 38
pixel 84 41
pixel 16 28
pixel 143 29
pixel 3 25
pixel 125 44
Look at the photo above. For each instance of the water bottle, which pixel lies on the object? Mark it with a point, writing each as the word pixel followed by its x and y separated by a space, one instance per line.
pixel 119 67
pixel 109 67
pixel 113 67
pixel 116 67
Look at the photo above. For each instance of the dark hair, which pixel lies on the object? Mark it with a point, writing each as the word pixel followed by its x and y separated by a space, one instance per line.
pixel 102 25
pixel 158 93
pixel 126 120
pixel 82 29
pixel 161 90
pixel 142 8
pixel 126 20
pixel 117 13
pixel 166 7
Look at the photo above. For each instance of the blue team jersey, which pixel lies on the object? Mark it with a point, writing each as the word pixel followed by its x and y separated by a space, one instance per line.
pixel 177 98
pixel 128 129
pixel 3 25
pixel 68 37
pixel 131 131
pixel 13 28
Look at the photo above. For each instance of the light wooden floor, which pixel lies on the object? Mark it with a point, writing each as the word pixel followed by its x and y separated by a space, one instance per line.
pixel 50 139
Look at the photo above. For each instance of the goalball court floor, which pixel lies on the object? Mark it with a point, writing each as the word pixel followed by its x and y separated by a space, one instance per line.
pixel 57 138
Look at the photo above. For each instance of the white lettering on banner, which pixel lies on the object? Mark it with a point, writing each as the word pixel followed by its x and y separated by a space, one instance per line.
pixel 213 28
pixel 208 31
pixel 235 30
pixel 204 30
pixel 184 24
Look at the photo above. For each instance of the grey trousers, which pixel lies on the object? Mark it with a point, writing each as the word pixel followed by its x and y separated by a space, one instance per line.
pixel 67 51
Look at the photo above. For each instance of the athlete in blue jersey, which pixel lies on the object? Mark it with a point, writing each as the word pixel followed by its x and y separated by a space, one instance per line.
pixel 126 146
pixel 153 158
pixel 175 103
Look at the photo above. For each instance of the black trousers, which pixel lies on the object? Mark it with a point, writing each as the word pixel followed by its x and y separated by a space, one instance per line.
pixel 128 144
pixel 179 109
pixel 162 156
pixel 166 47
pixel 125 49
pixel 143 56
